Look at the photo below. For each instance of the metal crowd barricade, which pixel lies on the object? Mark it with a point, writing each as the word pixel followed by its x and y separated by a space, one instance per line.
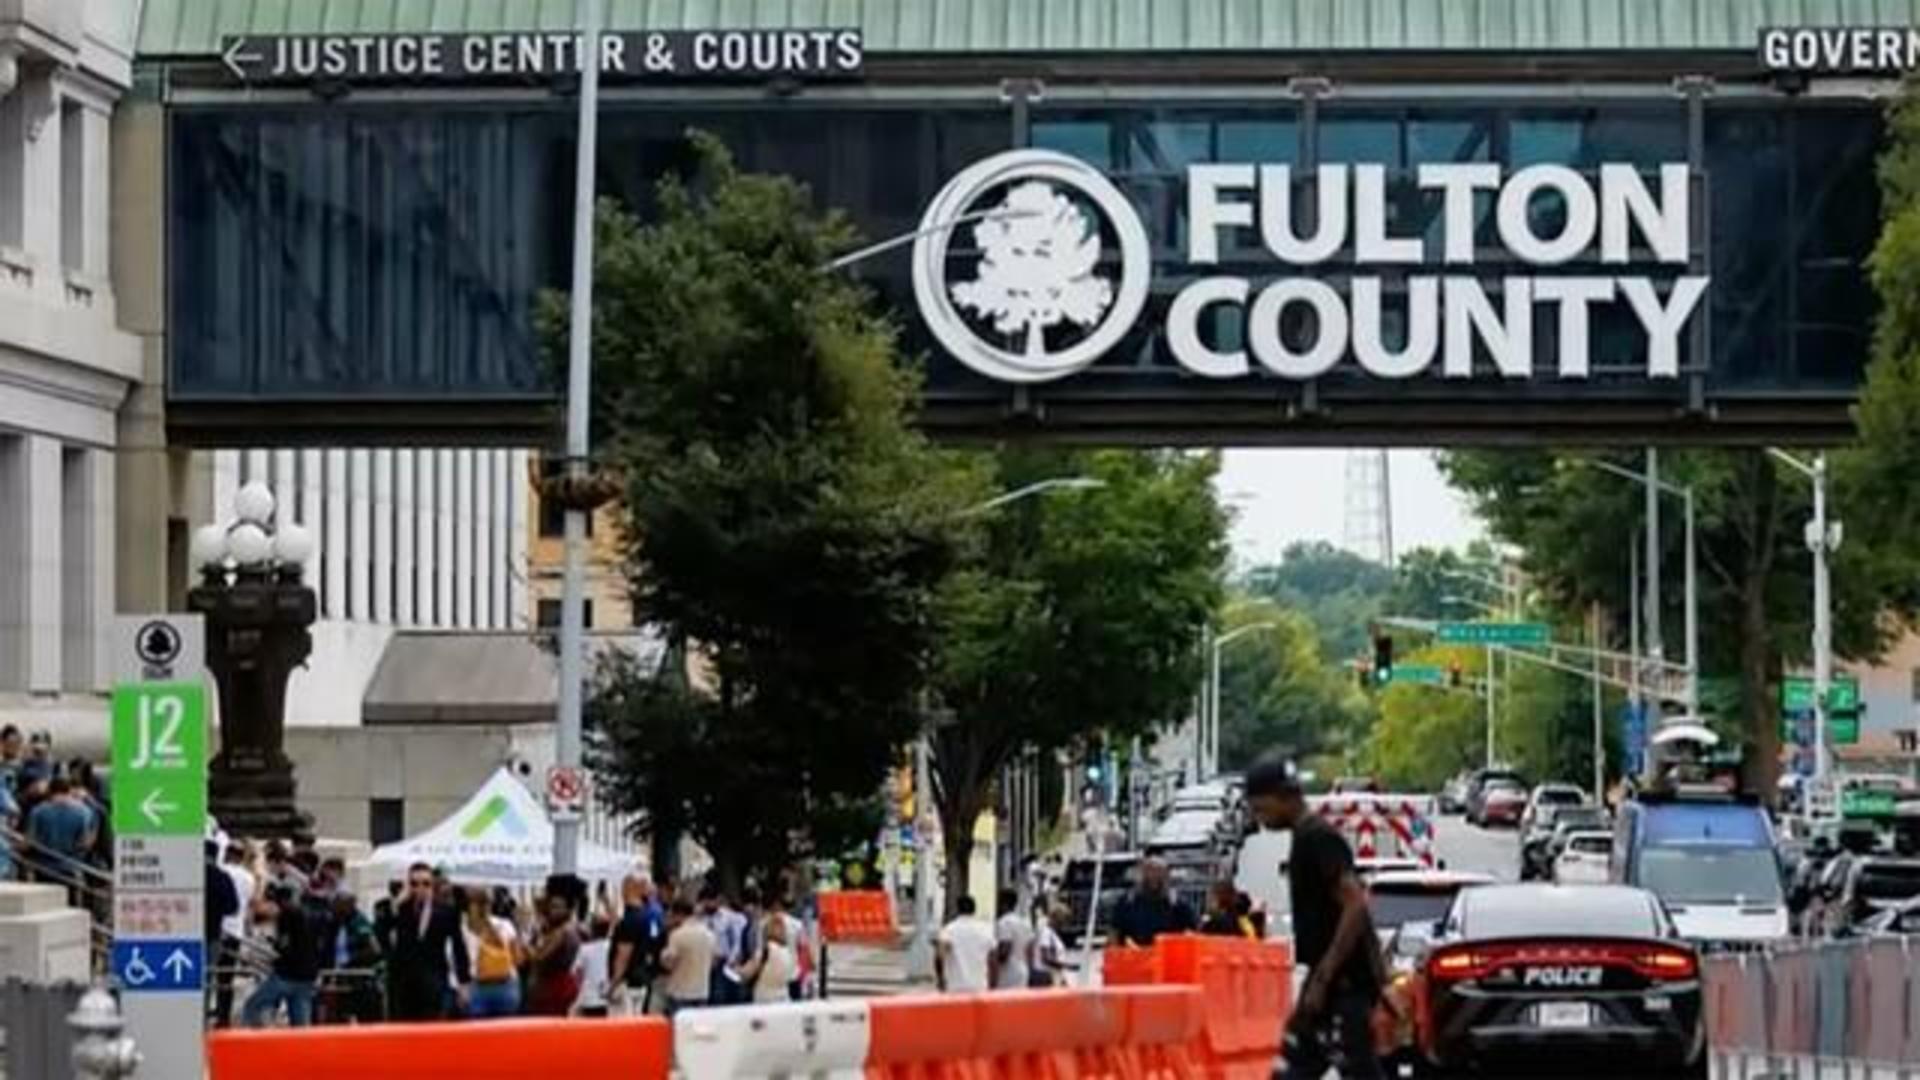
pixel 1846 1010
pixel 351 996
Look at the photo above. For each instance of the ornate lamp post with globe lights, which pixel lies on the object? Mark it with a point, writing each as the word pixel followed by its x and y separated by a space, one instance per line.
pixel 257 613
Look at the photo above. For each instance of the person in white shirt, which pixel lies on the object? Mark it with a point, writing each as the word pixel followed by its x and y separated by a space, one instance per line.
pixel 590 968
pixel 770 973
pixel 1013 938
pixel 963 964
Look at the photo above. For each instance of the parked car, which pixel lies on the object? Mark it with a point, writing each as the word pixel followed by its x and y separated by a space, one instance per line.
pixel 1477 786
pixel 1899 920
pixel 1538 852
pixel 1117 876
pixel 1584 859
pixel 1408 907
pixel 1453 796
pixel 1502 802
pixel 1356 785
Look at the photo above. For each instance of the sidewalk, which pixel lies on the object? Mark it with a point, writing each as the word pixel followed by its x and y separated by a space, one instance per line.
pixel 863 971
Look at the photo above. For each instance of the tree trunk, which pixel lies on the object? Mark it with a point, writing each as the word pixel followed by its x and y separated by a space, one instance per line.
pixel 1761 767
pixel 962 794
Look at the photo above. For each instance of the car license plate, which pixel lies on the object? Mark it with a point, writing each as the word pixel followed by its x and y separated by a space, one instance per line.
pixel 1563 1014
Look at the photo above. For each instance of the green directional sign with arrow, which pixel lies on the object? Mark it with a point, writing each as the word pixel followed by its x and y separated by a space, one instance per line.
pixel 159 759
pixel 1491 633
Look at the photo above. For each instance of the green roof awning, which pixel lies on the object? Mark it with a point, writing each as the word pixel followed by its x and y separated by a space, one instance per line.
pixel 194 27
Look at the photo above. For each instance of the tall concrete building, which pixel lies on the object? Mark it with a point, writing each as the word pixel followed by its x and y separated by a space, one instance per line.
pixel 65 363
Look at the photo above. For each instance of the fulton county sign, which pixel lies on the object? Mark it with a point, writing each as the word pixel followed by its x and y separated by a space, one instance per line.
pixel 479 58
pixel 1044 299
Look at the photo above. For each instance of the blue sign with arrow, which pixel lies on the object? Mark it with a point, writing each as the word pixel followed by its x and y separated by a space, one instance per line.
pixel 159 965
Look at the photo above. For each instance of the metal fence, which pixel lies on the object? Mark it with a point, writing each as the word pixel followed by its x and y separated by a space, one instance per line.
pixel 1848 1009
pixel 33 1023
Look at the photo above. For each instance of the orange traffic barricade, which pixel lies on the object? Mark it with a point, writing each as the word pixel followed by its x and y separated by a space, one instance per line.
pixel 495 1050
pixel 857 915
pixel 925 1037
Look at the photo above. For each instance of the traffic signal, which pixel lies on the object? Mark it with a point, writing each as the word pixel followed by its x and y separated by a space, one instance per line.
pixel 1382 658
pixel 1454 675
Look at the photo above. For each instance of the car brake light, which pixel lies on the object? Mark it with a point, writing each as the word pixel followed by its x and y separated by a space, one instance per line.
pixel 1667 964
pixel 1455 964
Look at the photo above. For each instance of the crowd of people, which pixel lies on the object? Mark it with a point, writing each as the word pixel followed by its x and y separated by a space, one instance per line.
pixel 55 814
pixel 436 949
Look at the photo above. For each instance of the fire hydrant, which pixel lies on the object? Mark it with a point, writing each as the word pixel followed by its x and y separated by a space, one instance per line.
pixel 100 1051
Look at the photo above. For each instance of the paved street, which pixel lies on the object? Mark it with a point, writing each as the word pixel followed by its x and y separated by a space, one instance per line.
pixel 1488 851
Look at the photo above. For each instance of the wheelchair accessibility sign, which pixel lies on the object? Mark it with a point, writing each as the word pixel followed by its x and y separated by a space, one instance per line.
pixel 159 965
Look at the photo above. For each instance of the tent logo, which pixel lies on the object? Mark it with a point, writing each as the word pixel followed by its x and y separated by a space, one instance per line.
pixel 1038 306
pixel 496 809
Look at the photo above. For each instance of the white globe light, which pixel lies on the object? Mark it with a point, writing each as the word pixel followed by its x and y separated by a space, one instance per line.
pixel 209 547
pixel 249 544
pixel 293 544
pixel 254 502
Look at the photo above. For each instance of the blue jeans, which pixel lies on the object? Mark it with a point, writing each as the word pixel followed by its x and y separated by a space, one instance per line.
pixel 487 1000
pixel 267 997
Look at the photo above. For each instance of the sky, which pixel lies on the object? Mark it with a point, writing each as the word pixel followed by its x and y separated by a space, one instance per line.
pixel 1283 496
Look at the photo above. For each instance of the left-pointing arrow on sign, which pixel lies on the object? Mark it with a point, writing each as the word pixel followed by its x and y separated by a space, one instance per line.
pixel 235 57
pixel 155 809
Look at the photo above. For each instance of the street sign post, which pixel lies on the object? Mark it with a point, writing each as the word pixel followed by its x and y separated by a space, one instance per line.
pixel 158 959
pixel 1492 633
pixel 566 793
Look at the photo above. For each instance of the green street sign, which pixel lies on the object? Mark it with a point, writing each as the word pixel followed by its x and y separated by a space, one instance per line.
pixel 1843 694
pixel 159 759
pixel 1866 803
pixel 1421 674
pixel 1492 633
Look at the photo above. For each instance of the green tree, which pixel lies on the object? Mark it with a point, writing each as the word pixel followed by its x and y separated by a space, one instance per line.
pixel 1278 695
pixel 1080 615
pixel 783 520
pixel 1338 591
pixel 1440 583
pixel 1425 734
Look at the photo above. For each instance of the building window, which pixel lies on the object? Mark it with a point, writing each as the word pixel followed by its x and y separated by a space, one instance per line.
pixel 546 614
pixel 386 821
pixel 73 186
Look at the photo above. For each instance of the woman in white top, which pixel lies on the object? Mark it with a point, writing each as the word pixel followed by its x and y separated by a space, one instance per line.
pixel 770 972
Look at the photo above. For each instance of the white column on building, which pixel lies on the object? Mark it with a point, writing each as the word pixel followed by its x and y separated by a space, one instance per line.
pixel 333 548
pixel 44 610
pixel 443 538
pixel 519 522
pixel 313 488
pixel 96 195
pixel 484 554
pixel 259 466
pixel 426 495
pixel 286 486
pixel 383 536
pixel 359 533
pixel 504 492
pixel 226 481
pixel 99 552
pixel 406 527
pixel 463 539
pixel 40 177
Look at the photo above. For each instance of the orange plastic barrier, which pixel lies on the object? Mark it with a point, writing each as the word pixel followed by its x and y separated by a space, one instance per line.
pixel 858 915
pixel 1248 987
pixel 495 1050
pixel 1135 1033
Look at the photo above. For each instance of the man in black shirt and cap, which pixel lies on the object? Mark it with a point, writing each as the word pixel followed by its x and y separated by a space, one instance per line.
pixel 1332 935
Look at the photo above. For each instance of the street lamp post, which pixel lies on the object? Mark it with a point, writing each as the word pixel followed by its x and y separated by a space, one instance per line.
pixel 1210 762
pixel 1655 486
pixel 1823 538
pixel 920 946
pixel 1485 609
pixel 257 611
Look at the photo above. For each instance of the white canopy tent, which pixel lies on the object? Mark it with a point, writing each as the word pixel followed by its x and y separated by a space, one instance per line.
pixel 500 836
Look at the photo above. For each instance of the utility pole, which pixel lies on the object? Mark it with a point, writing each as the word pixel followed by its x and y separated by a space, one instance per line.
pixel 1490 691
pixel 1820 542
pixel 1599 712
pixel 566 749
pixel 1656 649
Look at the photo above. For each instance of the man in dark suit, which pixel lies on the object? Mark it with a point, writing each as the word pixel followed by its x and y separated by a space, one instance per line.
pixel 425 936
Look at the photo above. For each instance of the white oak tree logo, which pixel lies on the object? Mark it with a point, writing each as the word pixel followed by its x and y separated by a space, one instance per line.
pixel 1039 266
